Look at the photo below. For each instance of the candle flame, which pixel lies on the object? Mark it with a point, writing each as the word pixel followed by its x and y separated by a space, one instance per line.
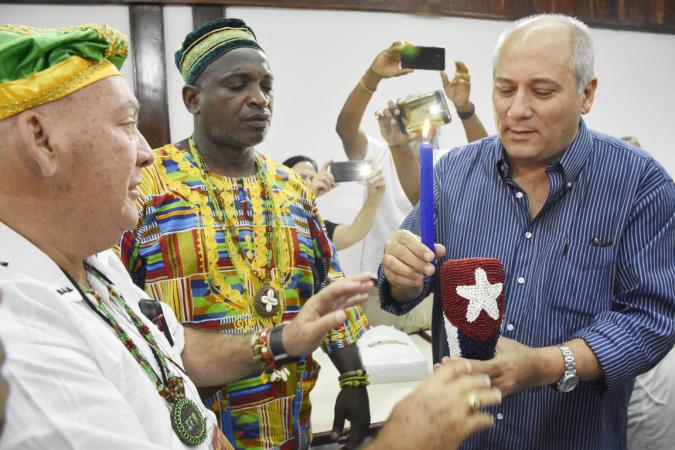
pixel 425 129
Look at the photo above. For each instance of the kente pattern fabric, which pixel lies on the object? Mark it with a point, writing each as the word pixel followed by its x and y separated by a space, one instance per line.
pixel 473 305
pixel 175 255
pixel 596 263
pixel 39 66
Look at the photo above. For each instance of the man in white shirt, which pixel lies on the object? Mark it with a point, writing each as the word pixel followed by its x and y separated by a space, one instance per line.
pixel 400 168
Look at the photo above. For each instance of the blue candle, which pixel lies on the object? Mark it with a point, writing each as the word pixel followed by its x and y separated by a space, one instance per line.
pixel 427 193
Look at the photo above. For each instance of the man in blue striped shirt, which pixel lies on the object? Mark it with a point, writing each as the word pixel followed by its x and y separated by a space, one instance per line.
pixel 585 227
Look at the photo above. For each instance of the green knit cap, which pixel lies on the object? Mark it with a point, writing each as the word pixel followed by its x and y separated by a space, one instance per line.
pixel 208 42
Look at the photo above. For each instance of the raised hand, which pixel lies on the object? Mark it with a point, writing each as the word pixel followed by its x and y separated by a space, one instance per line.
pixel 459 88
pixel 375 186
pixel 390 130
pixel 387 63
pixel 323 181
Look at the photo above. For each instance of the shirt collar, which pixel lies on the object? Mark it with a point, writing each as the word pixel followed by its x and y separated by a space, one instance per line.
pixel 22 260
pixel 570 163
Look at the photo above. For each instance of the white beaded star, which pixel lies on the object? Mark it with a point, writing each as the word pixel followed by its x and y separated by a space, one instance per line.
pixel 481 296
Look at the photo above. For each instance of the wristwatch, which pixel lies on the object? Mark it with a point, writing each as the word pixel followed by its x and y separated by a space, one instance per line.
pixel 569 380
pixel 279 353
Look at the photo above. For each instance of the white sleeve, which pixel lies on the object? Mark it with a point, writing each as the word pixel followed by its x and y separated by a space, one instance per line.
pixel 59 397
pixel 376 150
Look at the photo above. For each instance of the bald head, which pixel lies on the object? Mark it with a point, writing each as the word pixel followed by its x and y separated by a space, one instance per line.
pixel 545 28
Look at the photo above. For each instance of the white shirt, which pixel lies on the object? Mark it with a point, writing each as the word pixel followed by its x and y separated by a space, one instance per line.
pixel 393 208
pixel 652 408
pixel 72 383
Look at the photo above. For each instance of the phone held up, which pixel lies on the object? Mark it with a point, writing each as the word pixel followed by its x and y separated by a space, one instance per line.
pixel 425 58
pixel 350 170
pixel 416 110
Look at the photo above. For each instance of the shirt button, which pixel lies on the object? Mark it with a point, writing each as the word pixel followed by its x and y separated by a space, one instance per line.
pixel 528 235
pixel 569 184
pixel 510 327
pixel 500 416
pixel 521 280
pixel 519 194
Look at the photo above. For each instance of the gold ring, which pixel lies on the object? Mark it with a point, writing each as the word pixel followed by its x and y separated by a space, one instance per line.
pixel 473 401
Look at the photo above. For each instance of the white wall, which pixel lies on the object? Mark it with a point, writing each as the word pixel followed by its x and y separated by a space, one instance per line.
pixel 318 56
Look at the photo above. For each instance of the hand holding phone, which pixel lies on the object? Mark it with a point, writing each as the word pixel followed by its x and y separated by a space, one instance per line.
pixel 323 181
pixel 415 111
pixel 425 58
pixel 344 171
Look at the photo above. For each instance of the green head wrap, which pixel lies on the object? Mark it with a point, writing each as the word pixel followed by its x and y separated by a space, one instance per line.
pixel 38 66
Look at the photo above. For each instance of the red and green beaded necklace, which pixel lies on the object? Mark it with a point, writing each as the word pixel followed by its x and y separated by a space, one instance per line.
pixel 186 420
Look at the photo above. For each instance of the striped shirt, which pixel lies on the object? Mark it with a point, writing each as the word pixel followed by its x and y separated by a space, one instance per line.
pixel 597 263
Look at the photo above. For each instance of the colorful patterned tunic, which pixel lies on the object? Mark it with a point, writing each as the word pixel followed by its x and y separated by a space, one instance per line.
pixel 180 253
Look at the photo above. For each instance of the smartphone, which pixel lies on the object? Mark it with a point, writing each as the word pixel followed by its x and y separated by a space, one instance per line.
pixel 416 110
pixel 425 58
pixel 350 170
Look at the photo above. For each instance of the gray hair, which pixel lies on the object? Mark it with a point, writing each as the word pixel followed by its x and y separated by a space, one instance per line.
pixel 582 59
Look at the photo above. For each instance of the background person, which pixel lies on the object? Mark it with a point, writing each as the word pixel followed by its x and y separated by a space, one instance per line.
pixel 400 167
pixel 342 235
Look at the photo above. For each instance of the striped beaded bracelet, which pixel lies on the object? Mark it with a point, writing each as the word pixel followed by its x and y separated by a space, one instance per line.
pixel 354 378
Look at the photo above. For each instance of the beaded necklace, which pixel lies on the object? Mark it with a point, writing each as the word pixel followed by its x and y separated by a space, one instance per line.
pixel 186 420
pixel 269 241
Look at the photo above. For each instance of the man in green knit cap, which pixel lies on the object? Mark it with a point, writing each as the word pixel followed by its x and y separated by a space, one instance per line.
pixel 232 240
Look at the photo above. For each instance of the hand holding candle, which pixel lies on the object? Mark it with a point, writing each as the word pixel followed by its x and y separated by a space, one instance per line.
pixel 427 188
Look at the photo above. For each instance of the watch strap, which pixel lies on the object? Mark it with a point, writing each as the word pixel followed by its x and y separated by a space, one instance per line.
pixel 467 114
pixel 570 365
pixel 279 353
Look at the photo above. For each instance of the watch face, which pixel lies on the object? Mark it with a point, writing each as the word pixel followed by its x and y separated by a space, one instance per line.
pixel 568 383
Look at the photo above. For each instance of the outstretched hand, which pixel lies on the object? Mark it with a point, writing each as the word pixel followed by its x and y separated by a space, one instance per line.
pixel 441 412
pixel 323 312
